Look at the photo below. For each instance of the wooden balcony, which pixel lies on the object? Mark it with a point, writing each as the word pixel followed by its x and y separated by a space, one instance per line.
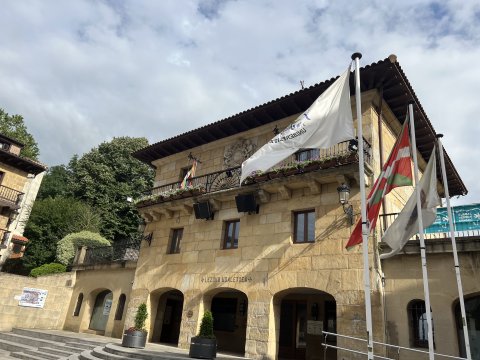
pixel 10 197
pixel 330 161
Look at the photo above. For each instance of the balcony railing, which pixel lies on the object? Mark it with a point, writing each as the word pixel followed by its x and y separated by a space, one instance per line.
pixel 4 233
pixel 126 250
pixel 387 219
pixel 12 196
pixel 339 154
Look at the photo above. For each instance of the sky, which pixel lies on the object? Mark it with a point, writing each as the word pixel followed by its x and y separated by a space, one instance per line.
pixel 81 72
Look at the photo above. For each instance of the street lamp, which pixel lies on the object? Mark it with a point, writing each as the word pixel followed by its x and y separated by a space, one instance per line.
pixel 344 196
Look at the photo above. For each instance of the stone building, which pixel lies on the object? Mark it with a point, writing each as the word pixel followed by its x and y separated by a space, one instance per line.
pixel 20 179
pixel 268 258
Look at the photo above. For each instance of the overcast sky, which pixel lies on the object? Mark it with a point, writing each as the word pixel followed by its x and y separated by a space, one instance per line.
pixel 83 72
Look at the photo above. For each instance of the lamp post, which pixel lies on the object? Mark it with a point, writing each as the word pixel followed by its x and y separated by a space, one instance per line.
pixel 344 196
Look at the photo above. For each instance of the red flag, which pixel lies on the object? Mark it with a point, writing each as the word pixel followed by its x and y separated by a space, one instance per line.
pixel 396 172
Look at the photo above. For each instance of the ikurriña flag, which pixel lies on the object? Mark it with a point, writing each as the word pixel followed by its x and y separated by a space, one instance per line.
pixel 396 172
pixel 187 180
pixel 326 122
pixel 406 223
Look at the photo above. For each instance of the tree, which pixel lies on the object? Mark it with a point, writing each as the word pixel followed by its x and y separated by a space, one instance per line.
pixel 67 247
pixel 52 219
pixel 56 182
pixel 14 127
pixel 105 177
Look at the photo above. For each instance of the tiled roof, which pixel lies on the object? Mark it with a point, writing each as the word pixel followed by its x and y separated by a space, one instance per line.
pixel 385 74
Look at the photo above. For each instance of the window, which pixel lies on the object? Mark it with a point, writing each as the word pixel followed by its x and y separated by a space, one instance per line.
pixel 309 154
pixel 2 174
pixel 230 240
pixel 175 239
pixel 78 305
pixel 120 307
pixel 418 323
pixel 304 226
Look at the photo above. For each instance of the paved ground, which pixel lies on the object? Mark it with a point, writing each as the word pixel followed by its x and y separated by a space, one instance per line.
pixel 158 349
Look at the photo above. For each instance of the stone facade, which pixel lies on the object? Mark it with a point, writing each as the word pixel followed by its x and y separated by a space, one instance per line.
pixel 20 180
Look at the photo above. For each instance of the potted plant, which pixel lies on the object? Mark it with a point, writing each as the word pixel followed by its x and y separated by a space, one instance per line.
pixel 204 345
pixel 136 336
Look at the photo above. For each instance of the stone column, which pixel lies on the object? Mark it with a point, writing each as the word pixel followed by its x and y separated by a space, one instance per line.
pixel 258 340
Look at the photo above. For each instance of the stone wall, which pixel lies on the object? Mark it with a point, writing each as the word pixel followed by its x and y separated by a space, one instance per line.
pixel 52 316
pixel 117 278
pixel 403 283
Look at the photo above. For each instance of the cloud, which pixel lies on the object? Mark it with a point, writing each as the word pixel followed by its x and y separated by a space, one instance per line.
pixel 82 72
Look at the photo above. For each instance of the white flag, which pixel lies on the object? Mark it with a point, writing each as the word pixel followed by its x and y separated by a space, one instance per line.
pixel 406 224
pixel 326 122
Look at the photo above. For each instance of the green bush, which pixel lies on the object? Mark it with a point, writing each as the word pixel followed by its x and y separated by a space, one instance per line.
pixel 206 327
pixel 141 317
pixel 46 269
pixel 68 245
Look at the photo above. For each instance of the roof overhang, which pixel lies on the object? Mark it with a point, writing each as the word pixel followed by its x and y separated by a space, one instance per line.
pixel 21 163
pixel 385 75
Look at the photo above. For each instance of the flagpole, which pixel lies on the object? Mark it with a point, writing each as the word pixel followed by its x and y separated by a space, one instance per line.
pixel 454 249
pixel 365 228
pixel 422 239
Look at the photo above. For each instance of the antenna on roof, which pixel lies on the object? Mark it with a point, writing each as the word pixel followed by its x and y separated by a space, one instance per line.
pixel 302 84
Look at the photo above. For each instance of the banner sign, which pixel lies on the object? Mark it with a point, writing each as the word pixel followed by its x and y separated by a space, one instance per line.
pixel 33 297
pixel 465 218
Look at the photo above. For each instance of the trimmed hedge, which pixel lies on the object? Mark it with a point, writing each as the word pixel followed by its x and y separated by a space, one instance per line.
pixel 46 269
pixel 68 245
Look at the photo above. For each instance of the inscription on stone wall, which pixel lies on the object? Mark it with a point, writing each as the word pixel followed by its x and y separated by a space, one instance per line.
pixel 226 279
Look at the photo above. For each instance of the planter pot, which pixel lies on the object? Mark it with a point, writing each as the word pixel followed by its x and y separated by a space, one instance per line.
pixel 263 177
pixel 203 348
pixel 310 167
pixel 275 175
pixel 134 339
pixel 290 172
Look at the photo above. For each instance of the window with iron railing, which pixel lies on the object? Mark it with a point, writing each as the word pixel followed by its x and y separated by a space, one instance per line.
pixel 418 323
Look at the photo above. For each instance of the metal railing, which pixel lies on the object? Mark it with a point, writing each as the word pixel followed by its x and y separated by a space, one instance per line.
pixel 230 178
pixel 11 195
pixel 386 220
pixel 126 250
pixel 398 350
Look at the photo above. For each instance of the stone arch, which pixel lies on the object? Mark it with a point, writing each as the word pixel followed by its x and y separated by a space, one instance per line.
pixel 298 316
pixel 229 307
pixel 472 310
pixel 166 306
pixel 100 303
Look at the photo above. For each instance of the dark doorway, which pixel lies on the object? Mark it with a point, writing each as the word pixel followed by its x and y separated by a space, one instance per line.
pixel 230 310
pixel 172 319
pixel 301 315
pixel 293 329
pixel 168 317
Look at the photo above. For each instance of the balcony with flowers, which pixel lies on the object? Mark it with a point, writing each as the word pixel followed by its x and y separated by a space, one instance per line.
pixel 340 158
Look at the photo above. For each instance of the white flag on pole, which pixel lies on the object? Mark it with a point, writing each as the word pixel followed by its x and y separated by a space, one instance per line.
pixel 326 122
pixel 406 224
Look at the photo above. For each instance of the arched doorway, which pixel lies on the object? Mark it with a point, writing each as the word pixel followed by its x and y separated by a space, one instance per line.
pixel 301 314
pixel 472 312
pixel 167 306
pixel 101 311
pixel 229 308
